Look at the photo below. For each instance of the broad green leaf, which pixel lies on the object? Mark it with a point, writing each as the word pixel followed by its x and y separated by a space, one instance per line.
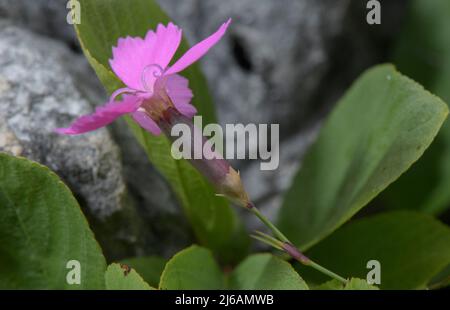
pixel 423 52
pixel 377 131
pixel 42 229
pixel 192 269
pixel 265 272
pixel 103 22
pixel 149 267
pixel 411 248
pixel 122 277
pixel 353 284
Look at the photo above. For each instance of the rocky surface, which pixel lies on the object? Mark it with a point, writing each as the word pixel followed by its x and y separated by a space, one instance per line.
pixel 265 71
pixel 38 94
pixel 47 17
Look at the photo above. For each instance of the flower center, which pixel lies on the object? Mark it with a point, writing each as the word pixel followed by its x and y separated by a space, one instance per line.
pixel 153 71
pixel 155 100
pixel 154 82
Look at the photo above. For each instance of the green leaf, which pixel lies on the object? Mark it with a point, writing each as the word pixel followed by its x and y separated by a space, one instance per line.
pixel 41 229
pixel 265 272
pixel 423 52
pixel 378 129
pixel 122 277
pixel 213 222
pixel 411 248
pixel 192 269
pixel 149 267
pixel 353 284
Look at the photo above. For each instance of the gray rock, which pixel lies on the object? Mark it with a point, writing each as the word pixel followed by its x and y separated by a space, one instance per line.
pixel 40 82
pixel 38 95
pixel 273 59
pixel 48 17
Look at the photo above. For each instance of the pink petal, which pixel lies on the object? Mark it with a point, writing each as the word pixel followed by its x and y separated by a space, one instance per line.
pixel 167 41
pixel 177 87
pixel 198 50
pixel 102 116
pixel 146 122
pixel 128 60
pixel 132 54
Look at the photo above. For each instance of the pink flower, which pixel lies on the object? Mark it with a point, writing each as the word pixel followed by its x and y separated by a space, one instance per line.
pixel 152 85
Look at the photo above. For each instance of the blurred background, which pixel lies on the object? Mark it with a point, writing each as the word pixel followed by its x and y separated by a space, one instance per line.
pixel 284 61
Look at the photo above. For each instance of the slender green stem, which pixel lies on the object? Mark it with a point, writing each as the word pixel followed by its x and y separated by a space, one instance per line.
pixel 269 224
pixel 290 249
pixel 326 271
pixel 273 240
pixel 268 242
